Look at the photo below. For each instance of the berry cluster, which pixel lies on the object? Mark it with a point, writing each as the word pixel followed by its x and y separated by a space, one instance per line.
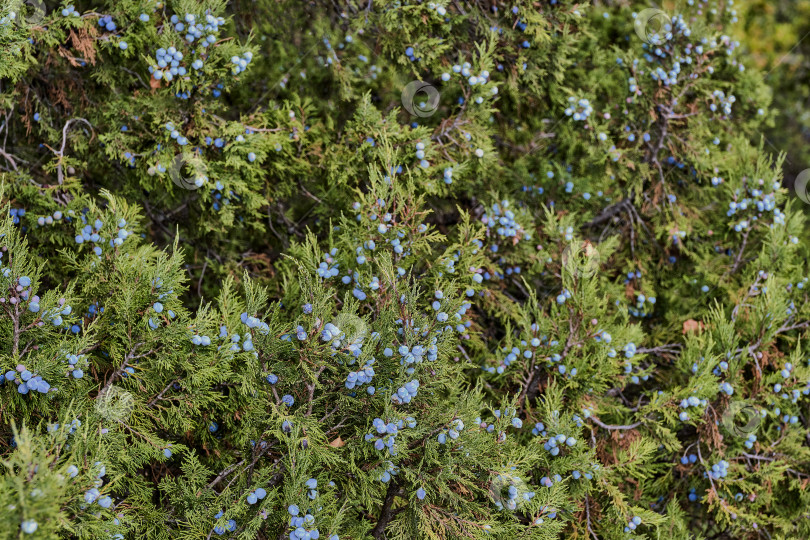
pixel 634 522
pixel 27 381
pixel 456 426
pixel 689 459
pixel 691 401
pixel 303 527
pixel 553 445
pixel 168 63
pixel 719 470
pixel 106 22
pixel 579 109
pixel 239 63
pixel 75 363
pixel 405 393
pixel 230 526
pixel 16 214
pixel 195 30
pixel 70 11
pixel 750 440
pixel 360 377
pixel 256 495
pixel 501 221
pixel 91 233
pixel 252 322
pixel 93 495
pixel 726 388
pixel 724 102
pixel 7 20
pixel 387 432
pixel 644 306
pixel 390 471
pixel 51 219
pixel 328 268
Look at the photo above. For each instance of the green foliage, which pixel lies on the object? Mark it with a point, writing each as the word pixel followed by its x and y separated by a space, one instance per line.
pixel 558 293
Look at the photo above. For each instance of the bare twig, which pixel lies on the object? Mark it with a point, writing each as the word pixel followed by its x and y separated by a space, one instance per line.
pixel 61 152
pixel 613 427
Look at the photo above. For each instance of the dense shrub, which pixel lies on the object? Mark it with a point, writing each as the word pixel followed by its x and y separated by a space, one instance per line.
pixel 772 35
pixel 395 269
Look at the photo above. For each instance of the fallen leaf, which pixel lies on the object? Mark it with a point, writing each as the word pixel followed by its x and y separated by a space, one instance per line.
pixel 692 325
pixel 337 443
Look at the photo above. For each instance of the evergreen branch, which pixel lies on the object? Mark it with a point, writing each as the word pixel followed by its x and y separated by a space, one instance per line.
pixel 127 358
pixel 387 513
